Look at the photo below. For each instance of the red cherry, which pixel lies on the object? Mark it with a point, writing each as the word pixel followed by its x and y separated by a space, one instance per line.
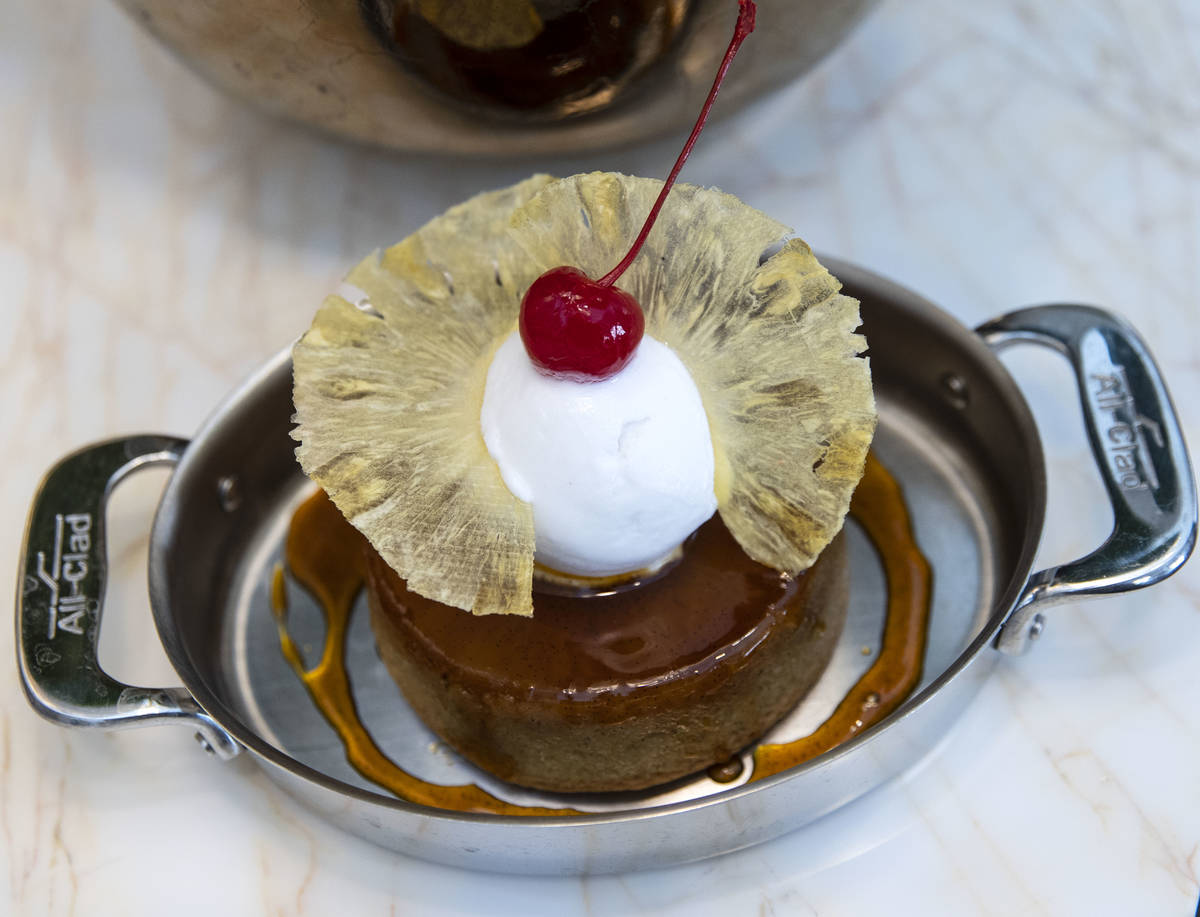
pixel 574 328
pixel 586 330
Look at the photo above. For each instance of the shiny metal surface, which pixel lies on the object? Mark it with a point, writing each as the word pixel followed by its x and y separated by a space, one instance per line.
pixel 62 597
pixel 955 431
pixel 1139 451
pixel 337 67
pixel 274 705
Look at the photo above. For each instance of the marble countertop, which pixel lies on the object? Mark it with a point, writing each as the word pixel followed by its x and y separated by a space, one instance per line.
pixel 158 241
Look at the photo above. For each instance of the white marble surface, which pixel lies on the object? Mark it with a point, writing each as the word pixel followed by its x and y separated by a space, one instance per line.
pixel 158 241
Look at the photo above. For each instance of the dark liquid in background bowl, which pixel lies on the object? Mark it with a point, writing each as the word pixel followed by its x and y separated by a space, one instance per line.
pixel 548 59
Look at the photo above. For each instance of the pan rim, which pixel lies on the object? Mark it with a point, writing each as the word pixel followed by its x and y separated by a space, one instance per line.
pixel 852 275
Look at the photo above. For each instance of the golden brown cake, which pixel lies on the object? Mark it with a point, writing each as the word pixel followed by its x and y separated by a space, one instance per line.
pixel 617 692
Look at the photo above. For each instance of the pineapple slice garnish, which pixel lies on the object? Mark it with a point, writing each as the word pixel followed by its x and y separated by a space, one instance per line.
pixel 387 405
pixel 483 25
pixel 388 400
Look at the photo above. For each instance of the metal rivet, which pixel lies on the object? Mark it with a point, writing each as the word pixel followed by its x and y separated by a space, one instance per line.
pixel 229 493
pixel 955 390
pixel 1036 626
pixel 204 743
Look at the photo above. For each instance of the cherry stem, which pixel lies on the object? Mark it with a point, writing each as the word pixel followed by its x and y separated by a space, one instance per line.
pixel 744 26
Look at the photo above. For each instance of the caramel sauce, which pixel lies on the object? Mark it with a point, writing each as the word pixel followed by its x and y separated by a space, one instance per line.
pixel 617 647
pixel 726 771
pixel 597 658
pixel 326 555
pixel 878 506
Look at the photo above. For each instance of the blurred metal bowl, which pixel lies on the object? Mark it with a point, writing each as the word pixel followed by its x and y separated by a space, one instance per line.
pixel 492 76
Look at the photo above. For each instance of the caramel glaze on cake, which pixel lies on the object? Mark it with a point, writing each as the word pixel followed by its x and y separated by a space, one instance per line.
pixel 326 556
pixel 617 692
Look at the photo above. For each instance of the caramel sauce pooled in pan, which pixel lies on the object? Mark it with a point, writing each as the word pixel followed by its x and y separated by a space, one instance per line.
pixel 878 506
pixel 327 556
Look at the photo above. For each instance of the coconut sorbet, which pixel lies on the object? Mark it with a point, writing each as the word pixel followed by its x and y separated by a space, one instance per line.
pixel 618 472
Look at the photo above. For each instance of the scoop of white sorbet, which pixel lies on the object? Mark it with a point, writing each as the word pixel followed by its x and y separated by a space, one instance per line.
pixel 618 471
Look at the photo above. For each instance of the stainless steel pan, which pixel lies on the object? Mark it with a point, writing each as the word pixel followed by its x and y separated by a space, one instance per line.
pixel 954 429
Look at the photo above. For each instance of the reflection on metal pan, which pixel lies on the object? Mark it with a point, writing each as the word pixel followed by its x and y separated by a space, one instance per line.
pixel 954 430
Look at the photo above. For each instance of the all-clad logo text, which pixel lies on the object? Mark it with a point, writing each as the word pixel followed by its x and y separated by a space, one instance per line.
pixel 68 567
pixel 1124 434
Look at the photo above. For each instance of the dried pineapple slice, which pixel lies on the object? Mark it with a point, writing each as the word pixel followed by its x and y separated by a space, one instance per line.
pixel 388 405
pixel 388 399
pixel 771 348
pixel 483 25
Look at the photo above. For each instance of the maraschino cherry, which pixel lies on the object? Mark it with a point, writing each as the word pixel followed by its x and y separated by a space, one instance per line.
pixel 585 330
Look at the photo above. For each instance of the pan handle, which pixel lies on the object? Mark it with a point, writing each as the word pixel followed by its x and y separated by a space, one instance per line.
pixel 59 603
pixel 1138 447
